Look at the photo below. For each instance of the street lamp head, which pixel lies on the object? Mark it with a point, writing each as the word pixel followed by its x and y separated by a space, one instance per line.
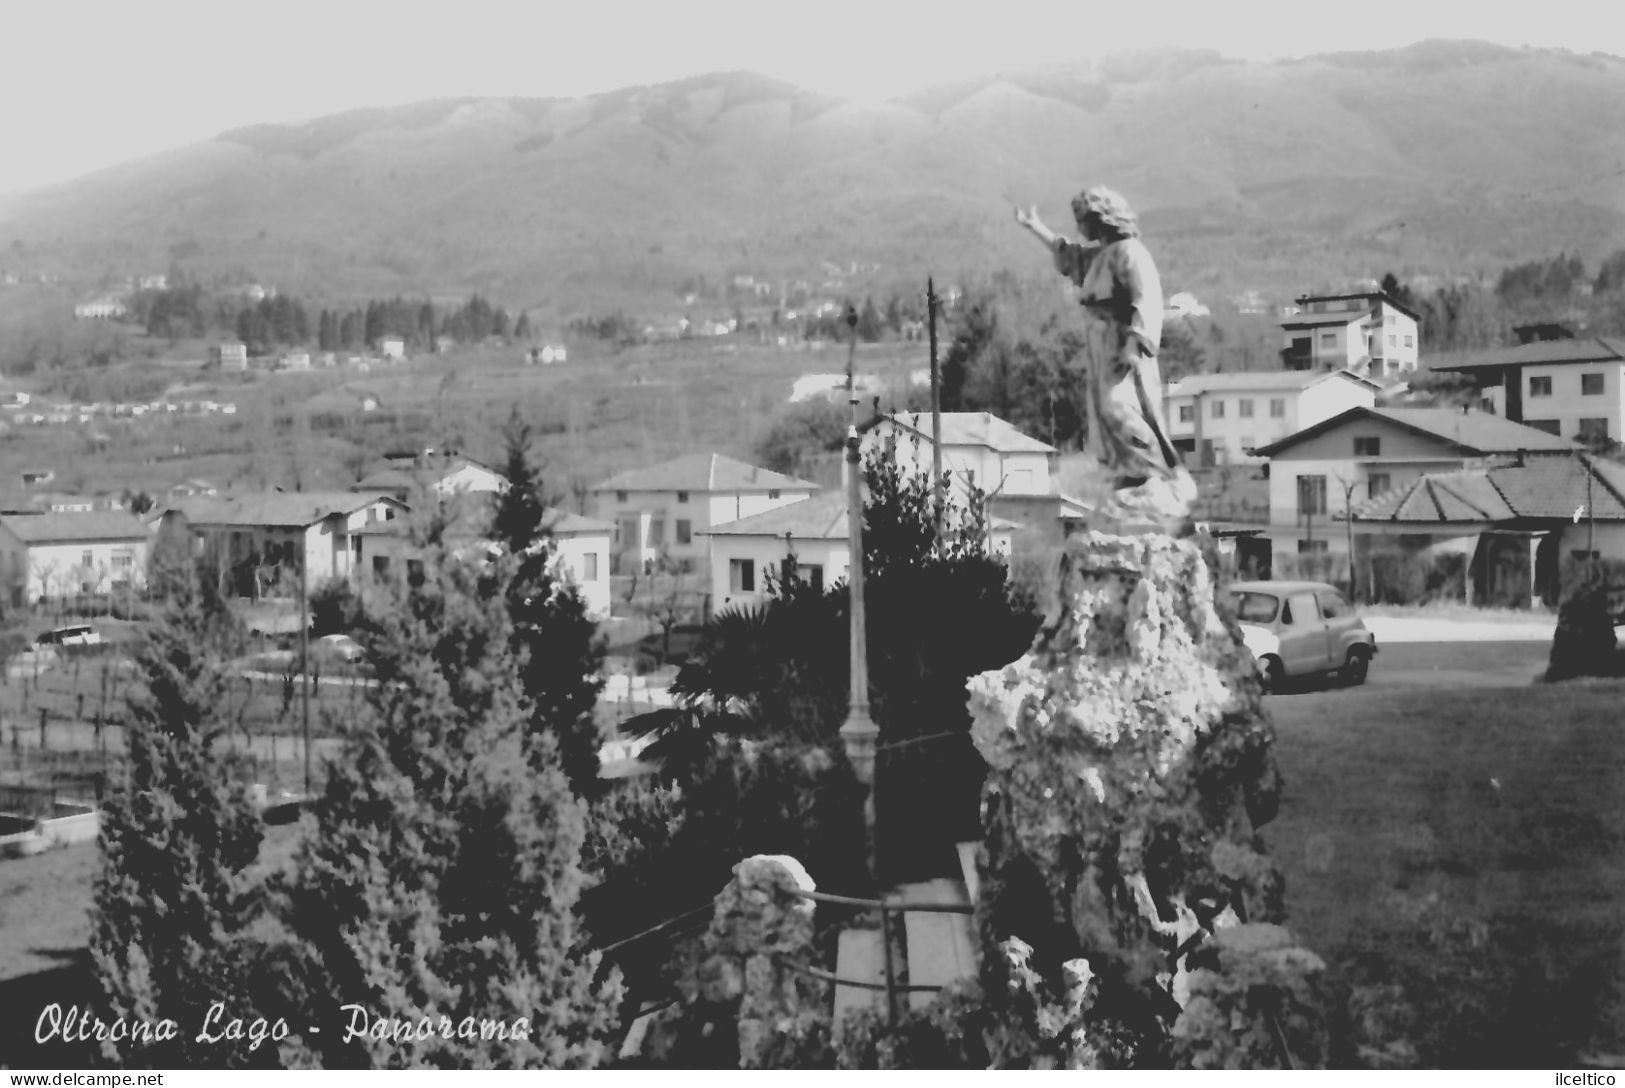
pixel 860 734
pixel 851 316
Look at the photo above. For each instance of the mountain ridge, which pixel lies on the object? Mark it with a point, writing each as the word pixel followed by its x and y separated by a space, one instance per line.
pixel 1446 158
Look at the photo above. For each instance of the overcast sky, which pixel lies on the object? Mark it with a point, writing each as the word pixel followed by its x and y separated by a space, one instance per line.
pixel 88 83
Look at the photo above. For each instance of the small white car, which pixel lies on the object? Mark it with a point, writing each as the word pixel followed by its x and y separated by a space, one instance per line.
pixel 1297 629
pixel 341 646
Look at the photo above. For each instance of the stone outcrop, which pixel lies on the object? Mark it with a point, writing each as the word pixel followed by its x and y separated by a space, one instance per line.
pixel 1130 768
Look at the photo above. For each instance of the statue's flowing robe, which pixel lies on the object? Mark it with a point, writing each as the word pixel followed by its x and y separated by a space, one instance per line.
pixel 1121 295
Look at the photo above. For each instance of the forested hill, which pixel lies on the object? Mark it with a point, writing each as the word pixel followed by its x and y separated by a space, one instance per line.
pixel 1443 158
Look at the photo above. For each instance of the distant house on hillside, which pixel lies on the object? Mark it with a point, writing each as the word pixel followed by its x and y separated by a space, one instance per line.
pixel 1368 332
pixel 105 308
pixel 1219 419
pixel 832 387
pixel 659 511
pixel 392 347
pixel 231 355
pixel 46 556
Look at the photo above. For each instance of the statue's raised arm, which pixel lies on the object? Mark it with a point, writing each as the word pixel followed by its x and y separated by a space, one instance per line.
pixel 1133 477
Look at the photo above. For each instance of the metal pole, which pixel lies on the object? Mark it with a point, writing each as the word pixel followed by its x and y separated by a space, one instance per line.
pixel 304 664
pixel 859 732
pixel 936 410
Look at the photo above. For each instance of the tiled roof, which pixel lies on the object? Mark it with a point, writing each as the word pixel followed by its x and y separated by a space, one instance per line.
pixel 567 524
pixel 1238 381
pixel 703 472
pixel 1541 488
pixel 822 517
pixel 1474 433
pixel 73 528
pixel 1591 349
pixel 272 508
pixel 973 429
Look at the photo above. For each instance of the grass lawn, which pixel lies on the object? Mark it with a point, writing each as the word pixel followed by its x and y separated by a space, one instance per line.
pixel 1455 853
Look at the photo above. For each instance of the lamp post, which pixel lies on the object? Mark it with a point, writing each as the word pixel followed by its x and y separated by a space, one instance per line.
pixel 859 733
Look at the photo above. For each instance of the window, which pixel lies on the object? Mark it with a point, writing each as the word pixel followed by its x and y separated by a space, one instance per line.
pixel 1547 425
pixel 742 576
pixel 1591 385
pixel 1332 605
pixel 1311 495
pixel 620 496
pixel 1244 408
pixel 1410 341
pixel 589 567
pixel 685 531
pixel 1540 387
pixel 1392 340
pixel 772 494
pixel 123 559
pixel 812 574
pixel 1187 413
pixel 1277 407
pixel 657 532
pixel 87 559
pixel 414 571
pixel 682 496
pixel 1593 430
pixel 1216 409
pixel 1311 547
pixel 1367 447
pixel 1328 339
pixel 1256 607
pixel 1376 484
pixel 380 566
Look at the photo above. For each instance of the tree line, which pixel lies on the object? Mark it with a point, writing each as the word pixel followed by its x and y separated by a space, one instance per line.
pixel 282 321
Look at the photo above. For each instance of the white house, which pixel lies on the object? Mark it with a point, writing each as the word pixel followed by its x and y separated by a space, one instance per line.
pixel 55 555
pixel 449 476
pixel 581 546
pixel 746 552
pixel 1219 419
pixel 979 448
pixel 253 540
pixel 392 347
pixel 1574 388
pixel 1368 332
pixel 1316 474
pixel 106 308
pixel 666 509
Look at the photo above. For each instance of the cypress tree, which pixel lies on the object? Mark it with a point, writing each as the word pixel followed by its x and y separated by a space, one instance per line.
pixel 173 900
pixel 441 877
pixel 557 642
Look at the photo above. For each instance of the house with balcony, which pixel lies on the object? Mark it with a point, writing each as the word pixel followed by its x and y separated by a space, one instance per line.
pixel 664 511
pixel 1220 419
pixel 1574 388
pixel 49 556
pixel 260 544
pixel 1368 332
pixel 1317 474
pixel 746 552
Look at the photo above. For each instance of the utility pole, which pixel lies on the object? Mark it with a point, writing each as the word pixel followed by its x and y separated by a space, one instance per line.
pixel 304 664
pixel 939 499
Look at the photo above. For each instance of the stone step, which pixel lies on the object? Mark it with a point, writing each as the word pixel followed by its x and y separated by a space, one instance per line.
pixel 860 956
pixel 941 947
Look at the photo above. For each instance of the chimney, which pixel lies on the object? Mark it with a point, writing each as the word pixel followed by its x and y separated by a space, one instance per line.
pixel 1522 454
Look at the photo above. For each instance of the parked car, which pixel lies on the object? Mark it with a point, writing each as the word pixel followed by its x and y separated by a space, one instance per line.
pixel 79 634
pixel 342 647
pixel 1298 629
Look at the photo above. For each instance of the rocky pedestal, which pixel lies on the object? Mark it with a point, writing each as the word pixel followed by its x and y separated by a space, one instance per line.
pixel 1130 768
